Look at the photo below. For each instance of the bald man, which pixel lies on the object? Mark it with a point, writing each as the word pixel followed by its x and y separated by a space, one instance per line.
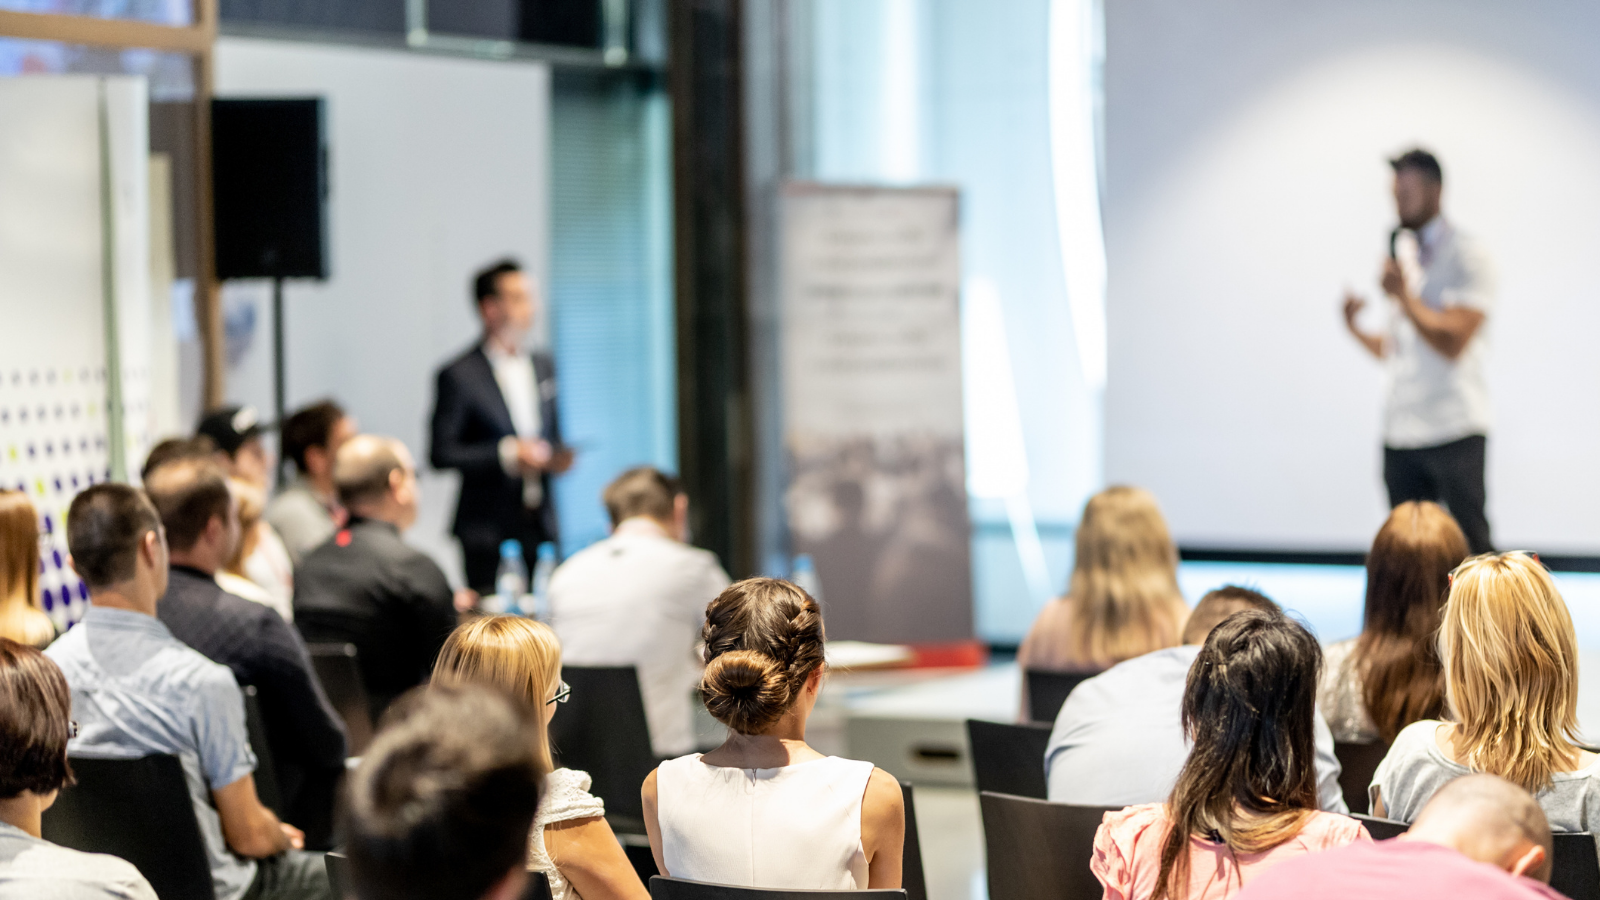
pixel 366 586
pixel 1480 838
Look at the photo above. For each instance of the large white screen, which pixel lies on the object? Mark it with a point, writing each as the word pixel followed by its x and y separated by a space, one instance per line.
pixel 1246 188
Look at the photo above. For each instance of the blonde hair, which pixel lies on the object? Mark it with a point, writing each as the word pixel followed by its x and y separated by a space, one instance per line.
pixel 252 504
pixel 520 657
pixel 1511 669
pixel 21 619
pixel 1124 592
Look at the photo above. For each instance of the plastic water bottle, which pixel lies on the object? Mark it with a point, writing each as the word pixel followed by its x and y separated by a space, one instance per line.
pixel 510 580
pixel 543 568
pixel 804 575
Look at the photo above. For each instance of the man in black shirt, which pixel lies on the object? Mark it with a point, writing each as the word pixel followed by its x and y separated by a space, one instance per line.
pixel 366 586
pixel 304 734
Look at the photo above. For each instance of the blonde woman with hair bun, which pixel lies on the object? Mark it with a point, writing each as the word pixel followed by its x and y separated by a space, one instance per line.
pixel 1511 679
pixel 571 843
pixel 21 619
pixel 764 809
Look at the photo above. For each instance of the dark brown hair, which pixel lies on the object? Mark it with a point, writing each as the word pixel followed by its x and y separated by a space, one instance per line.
pixel 105 524
pixel 188 493
pixel 641 491
pixel 35 709
pixel 763 640
pixel 1248 707
pixel 175 448
pixel 1408 578
pixel 308 427
pixel 1218 605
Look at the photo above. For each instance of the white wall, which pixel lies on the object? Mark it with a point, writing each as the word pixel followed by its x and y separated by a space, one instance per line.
pixel 1246 188
pixel 438 166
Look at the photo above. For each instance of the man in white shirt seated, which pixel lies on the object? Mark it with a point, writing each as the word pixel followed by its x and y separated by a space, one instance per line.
pixel 1119 740
pixel 638 598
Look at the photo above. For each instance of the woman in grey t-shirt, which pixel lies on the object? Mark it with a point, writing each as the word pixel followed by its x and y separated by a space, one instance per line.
pixel 1511 676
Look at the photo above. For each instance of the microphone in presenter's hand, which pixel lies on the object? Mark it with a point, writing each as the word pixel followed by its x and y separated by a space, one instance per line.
pixel 1394 240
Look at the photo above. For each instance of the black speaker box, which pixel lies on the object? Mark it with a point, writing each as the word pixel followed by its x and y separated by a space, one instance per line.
pixel 270 188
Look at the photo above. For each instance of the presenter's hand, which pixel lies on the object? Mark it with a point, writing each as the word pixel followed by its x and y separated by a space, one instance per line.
pixel 534 456
pixel 1394 280
pixel 465 599
pixel 296 837
pixel 560 461
pixel 1353 306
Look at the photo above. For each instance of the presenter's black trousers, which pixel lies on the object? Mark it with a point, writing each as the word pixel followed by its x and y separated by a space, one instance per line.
pixel 1450 474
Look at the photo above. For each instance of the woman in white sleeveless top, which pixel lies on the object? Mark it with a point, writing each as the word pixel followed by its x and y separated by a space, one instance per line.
pixel 570 841
pixel 764 809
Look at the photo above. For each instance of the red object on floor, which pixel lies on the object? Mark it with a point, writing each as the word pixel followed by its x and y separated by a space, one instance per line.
pixel 952 655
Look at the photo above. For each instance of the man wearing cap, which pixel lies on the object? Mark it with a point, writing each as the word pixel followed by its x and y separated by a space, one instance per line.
pixel 495 421
pixel 237 431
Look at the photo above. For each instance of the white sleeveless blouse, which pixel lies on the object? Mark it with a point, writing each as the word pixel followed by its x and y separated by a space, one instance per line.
pixel 795 827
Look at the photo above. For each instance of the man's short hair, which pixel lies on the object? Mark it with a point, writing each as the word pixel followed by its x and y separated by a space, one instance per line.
pixel 362 468
pixel 175 448
pixel 105 524
pixel 1420 160
pixel 444 797
pixel 188 494
pixel 1493 814
pixel 486 283
pixel 641 491
pixel 1220 604
pixel 308 427
pixel 35 711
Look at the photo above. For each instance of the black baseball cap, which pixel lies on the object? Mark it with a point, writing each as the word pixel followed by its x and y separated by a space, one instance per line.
pixel 230 426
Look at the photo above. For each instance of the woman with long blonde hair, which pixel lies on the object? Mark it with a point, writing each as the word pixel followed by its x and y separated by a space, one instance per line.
pixel 1122 600
pixel 1511 678
pixel 570 841
pixel 21 619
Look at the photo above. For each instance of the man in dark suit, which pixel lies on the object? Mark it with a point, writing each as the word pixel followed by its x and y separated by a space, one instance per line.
pixel 495 420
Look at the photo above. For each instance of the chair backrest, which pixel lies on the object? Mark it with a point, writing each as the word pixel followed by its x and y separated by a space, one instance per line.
pixel 663 888
pixel 1358 762
pixel 339 876
pixel 139 810
pixel 267 787
pixel 1575 869
pixel 1039 850
pixel 602 730
pixel 1008 759
pixel 339 671
pixel 1381 829
pixel 912 878
pixel 1048 690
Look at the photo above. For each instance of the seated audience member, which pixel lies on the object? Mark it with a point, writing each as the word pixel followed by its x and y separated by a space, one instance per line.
pixel 173 449
pixel 1479 838
pixel 840 822
pixel 236 432
pixel 1376 684
pixel 1119 738
pixel 365 586
pixel 21 619
pixel 1246 798
pixel 638 598
pixel 35 723
pixel 232 575
pixel 570 841
pixel 1511 675
pixel 441 803
pixel 200 515
pixel 1122 600
pixel 306 512
pixel 137 691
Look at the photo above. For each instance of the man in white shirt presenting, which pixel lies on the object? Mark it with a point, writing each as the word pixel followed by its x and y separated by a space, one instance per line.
pixel 1436 419
pixel 638 598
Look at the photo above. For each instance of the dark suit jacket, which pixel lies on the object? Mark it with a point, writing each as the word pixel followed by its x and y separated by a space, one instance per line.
pixel 469 419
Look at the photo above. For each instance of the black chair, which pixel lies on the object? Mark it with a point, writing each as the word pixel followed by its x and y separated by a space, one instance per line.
pixel 1047 691
pixel 663 888
pixel 139 810
pixel 912 878
pixel 1575 868
pixel 1381 829
pixel 339 671
pixel 339 876
pixel 267 787
pixel 602 730
pixel 1358 762
pixel 1039 850
pixel 1008 759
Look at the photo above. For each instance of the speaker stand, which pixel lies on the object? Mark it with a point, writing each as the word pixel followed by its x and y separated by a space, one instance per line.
pixel 277 377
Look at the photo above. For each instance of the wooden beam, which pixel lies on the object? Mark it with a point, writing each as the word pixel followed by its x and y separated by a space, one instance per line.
pixel 207 290
pixel 192 39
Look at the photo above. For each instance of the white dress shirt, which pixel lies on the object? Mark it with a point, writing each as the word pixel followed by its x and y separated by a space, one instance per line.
pixel 513 372
pixel 638 598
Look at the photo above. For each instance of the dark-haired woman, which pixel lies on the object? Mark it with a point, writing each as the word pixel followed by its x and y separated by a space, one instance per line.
pixel 1246 798
pixel 764 809
pixel 1374 685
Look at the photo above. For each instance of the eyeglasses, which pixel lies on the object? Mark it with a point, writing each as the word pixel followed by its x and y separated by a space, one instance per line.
pixel 72 729
pixel 562 693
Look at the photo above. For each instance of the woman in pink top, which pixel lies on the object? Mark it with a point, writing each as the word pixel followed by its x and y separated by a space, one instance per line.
pixel 1247 796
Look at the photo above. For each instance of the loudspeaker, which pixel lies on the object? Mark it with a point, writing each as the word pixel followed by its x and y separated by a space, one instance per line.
pixel 270 188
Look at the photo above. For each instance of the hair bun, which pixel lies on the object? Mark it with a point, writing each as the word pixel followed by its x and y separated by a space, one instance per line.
pixel 745 690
